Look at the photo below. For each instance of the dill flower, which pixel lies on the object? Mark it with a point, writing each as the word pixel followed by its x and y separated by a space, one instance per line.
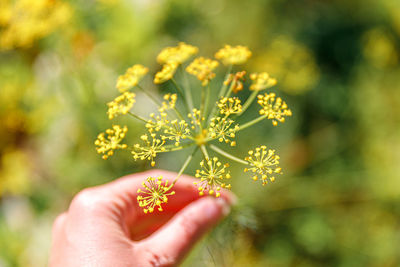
pixel 220 128
pixel 261 81
pixel 236 80
pixel 166 73
pixel 212 177
pixel 177 54
pixel 202 68
pixel 263 163
pixel 233 55
pixel 107 145
pixel 121 105
pixel 204 125
pixel 273 108
pixel 150 149
pixel 154 194
pixel 228 106
pixel 169 103
pixel 131 78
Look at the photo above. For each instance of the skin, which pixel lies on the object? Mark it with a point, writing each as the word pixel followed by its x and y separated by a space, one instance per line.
pixel 104 226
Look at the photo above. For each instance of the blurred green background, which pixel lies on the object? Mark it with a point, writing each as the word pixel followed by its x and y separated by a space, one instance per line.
pixel 337 65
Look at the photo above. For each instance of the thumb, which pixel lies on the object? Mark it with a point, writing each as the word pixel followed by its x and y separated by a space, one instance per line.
pixel 173 241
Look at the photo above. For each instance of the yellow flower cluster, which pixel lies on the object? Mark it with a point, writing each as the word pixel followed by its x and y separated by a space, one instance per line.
pixel 273 108
pixel 177 54
pixel 212 177
pixel 228 106
pixel 167 72
pixel 155 193
pixel 24 21
pixel 131 78
pixel 220 128
pixel 261 81
pixel 199 126
pixel 121 105
pixel 203 68
pixel 233 55
pixel 236 80
pixel 107 145
pixel 150 149
pixel 263 163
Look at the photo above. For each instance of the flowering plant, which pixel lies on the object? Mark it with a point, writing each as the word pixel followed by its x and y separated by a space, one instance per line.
pixel 170 130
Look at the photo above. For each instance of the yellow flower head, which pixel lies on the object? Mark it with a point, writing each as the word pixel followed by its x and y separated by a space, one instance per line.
pixel 233 55
pixel 166 73
pixel 177 54
pixel 261 81
pixel 131 78
pixel 121 105
pixel 220 128
pixel 228 106
pixel 24 21
pixel 155 193
pixel 202 68
pixel 107 145
pixel 212 177
pixel 274 108
pixel 150 149
pixel 195 118
pixel 263 163
pixel 169 102
pixel 176 130
pixel 236 80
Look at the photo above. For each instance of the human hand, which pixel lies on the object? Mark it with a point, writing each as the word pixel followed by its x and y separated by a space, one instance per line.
pixel 104 226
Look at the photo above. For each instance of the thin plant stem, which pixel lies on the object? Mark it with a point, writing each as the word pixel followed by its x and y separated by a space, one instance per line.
pixel 187 89
pixel 204 150
pixel 206 115
pixel 149 95
pixel 227 155
pixel 185 164
pixel 250 123
pixel 138 117
pixel 248 102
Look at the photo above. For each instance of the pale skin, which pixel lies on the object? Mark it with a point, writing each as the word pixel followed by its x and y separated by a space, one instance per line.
pixel 104 226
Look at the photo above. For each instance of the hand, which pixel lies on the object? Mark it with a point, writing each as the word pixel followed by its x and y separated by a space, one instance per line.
pixel 104 225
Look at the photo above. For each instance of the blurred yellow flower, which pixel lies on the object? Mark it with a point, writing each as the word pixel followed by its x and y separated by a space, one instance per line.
pixel 202 68
pixel 24 21
pixel 177 54
pixel 121 105
pixel 167 72
pixel 233 55
pixel 261 81
pixel 131 78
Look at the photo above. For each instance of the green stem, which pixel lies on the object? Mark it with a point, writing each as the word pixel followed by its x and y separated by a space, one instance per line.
pixel 227 155
pixel 138 117
pixel 248 102
pixel 185 164
pixel 206 115
pixel 187 89
pixel 250 123
pixel 153 98
pixel 204 150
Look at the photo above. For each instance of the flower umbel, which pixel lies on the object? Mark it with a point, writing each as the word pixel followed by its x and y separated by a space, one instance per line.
pixel 107 145
pixel 131 78
pixel 264 163
pixel 203 68
pixel 212 177
pixel 121 105
pixel 155 193
pixel 274 108
pixel 208 122
pixel 261 81
pixel 233 55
